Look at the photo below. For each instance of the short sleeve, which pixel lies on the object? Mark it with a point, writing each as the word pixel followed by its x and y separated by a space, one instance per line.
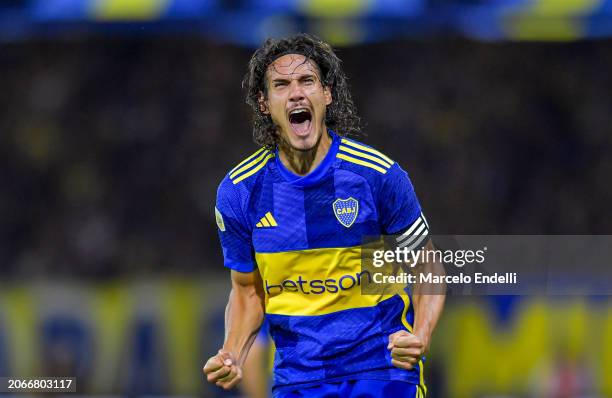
pixel 233 228
pixel 400 211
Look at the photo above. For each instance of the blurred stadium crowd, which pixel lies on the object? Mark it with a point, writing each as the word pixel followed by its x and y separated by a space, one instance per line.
pixel 111 150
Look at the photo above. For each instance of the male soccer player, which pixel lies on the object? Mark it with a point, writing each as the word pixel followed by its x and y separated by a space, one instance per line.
pixel 291 219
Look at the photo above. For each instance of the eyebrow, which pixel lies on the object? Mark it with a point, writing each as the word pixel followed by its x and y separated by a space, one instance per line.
pixel 301 77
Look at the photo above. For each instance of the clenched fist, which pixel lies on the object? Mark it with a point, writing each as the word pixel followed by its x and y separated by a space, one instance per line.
pixel 223 370
pixel 406 349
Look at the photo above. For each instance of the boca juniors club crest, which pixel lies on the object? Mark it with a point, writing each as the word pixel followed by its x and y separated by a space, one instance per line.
pixel 346 211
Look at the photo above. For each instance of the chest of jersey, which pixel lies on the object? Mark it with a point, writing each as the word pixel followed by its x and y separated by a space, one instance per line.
pixel 336 212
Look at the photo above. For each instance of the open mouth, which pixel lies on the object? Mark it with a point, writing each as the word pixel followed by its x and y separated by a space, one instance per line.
pixel 300 120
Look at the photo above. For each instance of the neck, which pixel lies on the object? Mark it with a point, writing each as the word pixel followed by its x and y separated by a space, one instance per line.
pixel 303 162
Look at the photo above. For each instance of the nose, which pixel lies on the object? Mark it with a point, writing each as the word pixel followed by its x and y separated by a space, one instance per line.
pixel 296 93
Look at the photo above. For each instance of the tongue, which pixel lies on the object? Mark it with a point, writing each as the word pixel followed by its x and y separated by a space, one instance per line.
pixel 301 128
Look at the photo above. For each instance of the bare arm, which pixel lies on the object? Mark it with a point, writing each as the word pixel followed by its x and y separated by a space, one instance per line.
pixel 243 317
pixel 244 313
pixel 428 301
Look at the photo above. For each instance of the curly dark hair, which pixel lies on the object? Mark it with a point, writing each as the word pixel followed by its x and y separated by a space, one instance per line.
pixel 341 115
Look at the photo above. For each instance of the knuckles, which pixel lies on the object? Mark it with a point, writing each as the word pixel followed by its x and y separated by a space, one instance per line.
pixel 227 380
pixel 213 369
pixel 212 365
pixel 229 384
pixel 409 340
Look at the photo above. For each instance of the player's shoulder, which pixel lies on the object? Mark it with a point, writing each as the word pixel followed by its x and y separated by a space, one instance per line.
pixel 365 160
pixel 245 172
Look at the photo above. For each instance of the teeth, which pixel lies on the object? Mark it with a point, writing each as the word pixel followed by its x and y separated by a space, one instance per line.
pixel 295 111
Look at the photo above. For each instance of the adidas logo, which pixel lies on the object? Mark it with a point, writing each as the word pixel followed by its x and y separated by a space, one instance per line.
pixel 267 221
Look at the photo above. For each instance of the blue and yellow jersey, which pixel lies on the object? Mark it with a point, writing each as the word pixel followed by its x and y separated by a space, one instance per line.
pixel 304 234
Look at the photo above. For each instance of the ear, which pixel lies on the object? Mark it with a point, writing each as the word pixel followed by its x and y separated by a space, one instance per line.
pixel 263 106
pixel 327 93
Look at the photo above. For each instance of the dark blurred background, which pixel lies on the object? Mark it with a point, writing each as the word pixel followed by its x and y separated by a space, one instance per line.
pixel 112 149
pixel 118 119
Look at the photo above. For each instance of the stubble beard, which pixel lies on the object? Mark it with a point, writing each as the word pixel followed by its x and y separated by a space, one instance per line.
pixel 299 159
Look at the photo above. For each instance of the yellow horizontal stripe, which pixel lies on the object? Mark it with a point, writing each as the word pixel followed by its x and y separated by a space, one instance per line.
pixel 367 149
pixel 258 225
pixel 255 170
pixel 128 10
pixel 365 155
pixel 567 8
pixel 271 219
pixel 248 165
pixel 337 9
pixel 314 281
pixel 265 222
pixel 247 159
pixel 362 163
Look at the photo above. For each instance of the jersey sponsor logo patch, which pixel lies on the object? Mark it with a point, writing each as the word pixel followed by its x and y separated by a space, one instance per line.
pixel 317 286
pixel 346 211
pixel 219 219
pixel 317 282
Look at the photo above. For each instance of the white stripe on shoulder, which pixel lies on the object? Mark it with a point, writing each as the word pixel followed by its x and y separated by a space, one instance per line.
pixel 415 239
pixel 409 231
pixel 415 234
